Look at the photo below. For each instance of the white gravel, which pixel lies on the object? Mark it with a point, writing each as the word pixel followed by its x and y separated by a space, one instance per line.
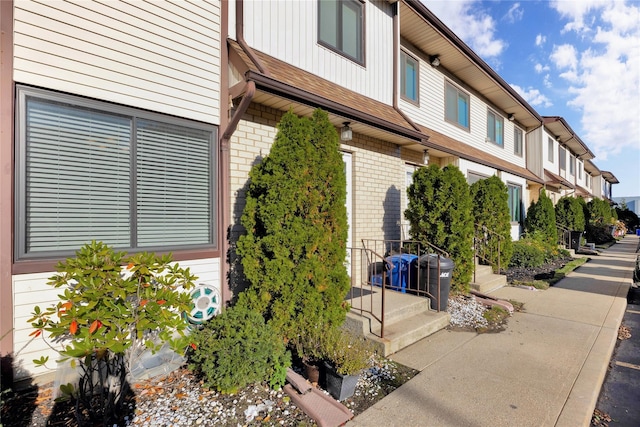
pixel 467 312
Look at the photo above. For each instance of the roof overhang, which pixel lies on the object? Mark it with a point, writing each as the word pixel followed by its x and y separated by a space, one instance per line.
pixel 559 127
pixel 420 27
pixel 556 181
pixel 291 88
pixel 441 145
pixel 609 177
pixel 591 168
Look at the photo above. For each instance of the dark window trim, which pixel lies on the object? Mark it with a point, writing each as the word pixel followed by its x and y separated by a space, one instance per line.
pixel 497 117
pixel 363 40
pixel 460 90
pixel 25 263
pixel 416 101
pixel 517 130
pixel 520 203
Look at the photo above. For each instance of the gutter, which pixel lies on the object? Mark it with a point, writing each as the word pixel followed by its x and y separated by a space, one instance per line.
pixel 296 94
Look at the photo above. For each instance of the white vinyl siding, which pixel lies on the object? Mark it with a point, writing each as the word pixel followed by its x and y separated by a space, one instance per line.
pixel 288 30
pixel 88 170
pixel 160 56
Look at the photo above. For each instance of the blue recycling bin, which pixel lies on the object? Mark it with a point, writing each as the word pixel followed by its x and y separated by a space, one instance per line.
pixel 637 231
pixel 399 274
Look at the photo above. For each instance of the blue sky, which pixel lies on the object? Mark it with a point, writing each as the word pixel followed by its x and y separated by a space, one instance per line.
pixel 579 59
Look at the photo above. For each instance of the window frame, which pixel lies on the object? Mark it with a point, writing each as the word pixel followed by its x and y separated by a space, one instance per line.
pixel 404 58
pixel 45 259
pixel 459 93
pixel 562 158
pixel 550 149
pixel 572 165
pixel 518 209
pixel 518 141
pixel 339 36
pixel 495 133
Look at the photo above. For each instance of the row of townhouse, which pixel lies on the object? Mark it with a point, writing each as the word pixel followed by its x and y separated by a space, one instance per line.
pixel 137 123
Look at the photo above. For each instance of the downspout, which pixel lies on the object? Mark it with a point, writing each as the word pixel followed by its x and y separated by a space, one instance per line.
pixel 229 127
pixel 225 170
pixel 241 41
pixel 396 61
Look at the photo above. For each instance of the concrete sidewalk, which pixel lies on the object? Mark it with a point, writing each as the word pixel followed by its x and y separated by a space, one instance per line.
pixel 545 369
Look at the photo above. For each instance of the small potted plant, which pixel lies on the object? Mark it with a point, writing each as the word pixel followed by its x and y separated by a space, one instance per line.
pixel 345 356
pixel 307 346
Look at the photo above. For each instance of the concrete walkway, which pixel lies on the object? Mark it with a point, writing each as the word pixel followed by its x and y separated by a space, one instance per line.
pixel 545 369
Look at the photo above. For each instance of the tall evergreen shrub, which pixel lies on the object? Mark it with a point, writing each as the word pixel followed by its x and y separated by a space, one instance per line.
pixel 541 219
pixel 569 213
pixel 600 211
pixel 491 210
pixel 440 213
pixel 294 249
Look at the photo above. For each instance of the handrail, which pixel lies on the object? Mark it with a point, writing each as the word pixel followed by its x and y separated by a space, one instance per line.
pixel 482 236
pixel 566 235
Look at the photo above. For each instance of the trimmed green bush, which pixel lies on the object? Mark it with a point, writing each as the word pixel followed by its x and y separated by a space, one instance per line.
pixel 527 253
pixel 541 218
pixel 237 348
pixel 491 210
pixel 569 213
pixel 440 213
pixel 600 212
pixel 294 250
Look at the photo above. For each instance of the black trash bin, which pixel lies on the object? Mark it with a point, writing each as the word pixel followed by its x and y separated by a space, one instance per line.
pixel 575 240
pixel 428 278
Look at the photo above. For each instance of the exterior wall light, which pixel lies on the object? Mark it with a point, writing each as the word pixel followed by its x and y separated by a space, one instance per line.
pixel 434 60
pixel 511 117
pixel 345 133
pixel 425 157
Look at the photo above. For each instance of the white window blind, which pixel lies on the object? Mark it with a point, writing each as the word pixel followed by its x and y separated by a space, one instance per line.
pixel 77 177
pixel 173 200
pixel 89 170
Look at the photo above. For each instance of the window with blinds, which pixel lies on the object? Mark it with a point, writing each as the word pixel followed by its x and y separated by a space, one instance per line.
pixel 94 171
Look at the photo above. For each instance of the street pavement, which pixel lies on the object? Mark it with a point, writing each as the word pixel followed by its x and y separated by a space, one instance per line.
pixel 545 369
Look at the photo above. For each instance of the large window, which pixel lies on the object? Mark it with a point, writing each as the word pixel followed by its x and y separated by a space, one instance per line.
pixel 456 106
pixel 409 73
pixel 94 171
pixel 495 128
pixel 515 202
pixel 517 141
pixel 341 27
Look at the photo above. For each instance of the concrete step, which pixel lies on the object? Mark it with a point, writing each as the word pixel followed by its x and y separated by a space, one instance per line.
pixel 407 319
pixel 483 271
pixel 405 332
pixel 489 283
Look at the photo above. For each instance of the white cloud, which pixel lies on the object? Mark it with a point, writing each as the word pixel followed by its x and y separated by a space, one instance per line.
pixel 604 78
pixel 541 68
pixel 533 96
pixel 514 14
pixel 471 24
pixel 540 40
pixel 565 57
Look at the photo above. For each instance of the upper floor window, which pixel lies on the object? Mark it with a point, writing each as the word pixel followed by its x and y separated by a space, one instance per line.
pixel 409 73
pixel 473 177
pixel 495 128
pixel 341 27
pixel 94 171
pixel 579 170
pixel 572 165
pixel 562 158
pixel 517 141
pixel 550 146
pixel 456 106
